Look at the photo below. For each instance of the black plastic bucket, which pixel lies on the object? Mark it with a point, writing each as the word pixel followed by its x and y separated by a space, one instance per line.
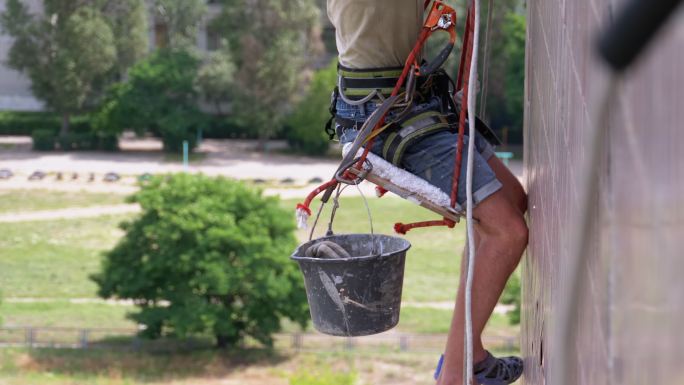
pixel 355 296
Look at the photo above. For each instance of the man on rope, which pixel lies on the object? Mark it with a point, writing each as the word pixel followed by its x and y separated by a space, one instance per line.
pixel 374 38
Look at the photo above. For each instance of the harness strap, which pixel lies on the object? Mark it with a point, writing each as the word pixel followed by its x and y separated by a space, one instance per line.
pixel 358 84
pixel 409 132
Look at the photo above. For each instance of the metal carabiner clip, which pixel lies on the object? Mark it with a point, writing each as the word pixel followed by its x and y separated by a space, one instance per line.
pixel 441 17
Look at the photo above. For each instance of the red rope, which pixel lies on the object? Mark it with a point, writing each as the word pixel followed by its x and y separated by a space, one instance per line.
pixel 464 68
pixel 461 83
pixel 402 228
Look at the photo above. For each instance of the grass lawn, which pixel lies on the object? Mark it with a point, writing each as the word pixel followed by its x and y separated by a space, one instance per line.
pixel 243 367
pixel 54 258
pixel 30 200
pixel 61 313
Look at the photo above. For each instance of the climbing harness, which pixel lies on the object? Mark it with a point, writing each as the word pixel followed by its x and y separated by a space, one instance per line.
pixel 353 168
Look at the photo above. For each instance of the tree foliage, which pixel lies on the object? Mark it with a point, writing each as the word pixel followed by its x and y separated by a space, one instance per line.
pixel 304 127
pixel 182 20
pixel 216 252
pixel 270 41
pixel 159 97
pixel 216 78
pixel 128 20
pixel 69 50
pixel 506 82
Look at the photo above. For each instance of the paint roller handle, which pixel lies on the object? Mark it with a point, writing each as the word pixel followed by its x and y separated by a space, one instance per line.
pixel 634 27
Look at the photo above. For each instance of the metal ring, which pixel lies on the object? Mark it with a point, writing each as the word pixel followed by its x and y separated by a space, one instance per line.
pixel 367 168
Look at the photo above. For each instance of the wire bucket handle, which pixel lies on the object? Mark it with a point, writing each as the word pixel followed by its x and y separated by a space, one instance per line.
pixel 336 205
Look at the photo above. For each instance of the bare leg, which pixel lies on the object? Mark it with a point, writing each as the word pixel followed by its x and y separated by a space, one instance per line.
pixel 501 237
pixel 511 186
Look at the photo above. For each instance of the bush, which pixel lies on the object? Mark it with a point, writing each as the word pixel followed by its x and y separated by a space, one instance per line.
pixel 216 251
pixel 25 123
pixel 226 127
pixel 43 140
pixel 77 141
pixel 108 142
pixel 305 126
pixel 44 127
pixel 159 97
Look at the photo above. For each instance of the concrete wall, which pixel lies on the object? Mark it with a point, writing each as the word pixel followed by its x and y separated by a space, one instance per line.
pixel 630 324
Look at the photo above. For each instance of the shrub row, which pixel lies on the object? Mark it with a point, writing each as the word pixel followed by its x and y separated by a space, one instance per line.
pixel 25 123
pixel 47 140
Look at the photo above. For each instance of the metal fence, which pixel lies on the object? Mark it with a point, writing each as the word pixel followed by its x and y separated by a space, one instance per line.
pixel 128 339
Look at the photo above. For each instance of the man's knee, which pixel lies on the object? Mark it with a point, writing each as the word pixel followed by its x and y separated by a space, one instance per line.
pixel 498 218
pixel 521 200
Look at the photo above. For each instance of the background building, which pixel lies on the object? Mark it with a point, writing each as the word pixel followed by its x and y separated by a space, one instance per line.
pixel 15 88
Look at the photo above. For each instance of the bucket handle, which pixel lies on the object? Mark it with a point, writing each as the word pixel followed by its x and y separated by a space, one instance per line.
pixel 336 205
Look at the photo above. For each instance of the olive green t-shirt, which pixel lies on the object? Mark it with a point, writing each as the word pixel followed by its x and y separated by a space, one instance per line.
pixel 375 33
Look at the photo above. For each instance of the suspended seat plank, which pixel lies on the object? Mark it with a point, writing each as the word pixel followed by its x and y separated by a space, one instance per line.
pixel 407 186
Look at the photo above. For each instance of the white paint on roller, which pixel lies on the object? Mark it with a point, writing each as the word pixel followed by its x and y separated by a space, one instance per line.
pixel 404 179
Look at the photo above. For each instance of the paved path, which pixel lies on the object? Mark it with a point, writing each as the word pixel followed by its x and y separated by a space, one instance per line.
pixel 234 158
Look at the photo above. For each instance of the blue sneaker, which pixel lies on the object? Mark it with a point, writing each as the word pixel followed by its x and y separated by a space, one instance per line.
pixel 492 370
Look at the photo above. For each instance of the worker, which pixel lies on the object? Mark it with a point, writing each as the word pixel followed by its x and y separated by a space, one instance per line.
pixel 374 38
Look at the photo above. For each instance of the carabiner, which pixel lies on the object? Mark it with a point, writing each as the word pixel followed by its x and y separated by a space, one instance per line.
pixel 441 17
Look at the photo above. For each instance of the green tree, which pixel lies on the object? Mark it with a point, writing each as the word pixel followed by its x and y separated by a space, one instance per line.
pixel 182 19
pixel 159 97
pixel 216 251
pixel 128 20
pixel 506 82
pixel 271 41
pixel 305 125
pixel 69 50
pixel 216 78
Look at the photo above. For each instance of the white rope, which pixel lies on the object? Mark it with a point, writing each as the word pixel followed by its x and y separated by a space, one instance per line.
pixel 472 81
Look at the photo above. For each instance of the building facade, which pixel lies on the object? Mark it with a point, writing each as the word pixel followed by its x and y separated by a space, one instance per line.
pixel 627 327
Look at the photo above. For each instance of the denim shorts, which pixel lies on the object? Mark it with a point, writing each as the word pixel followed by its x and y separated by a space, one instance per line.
pixel 432 157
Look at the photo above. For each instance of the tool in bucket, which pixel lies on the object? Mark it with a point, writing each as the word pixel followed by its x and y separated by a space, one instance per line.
pixel 359 164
